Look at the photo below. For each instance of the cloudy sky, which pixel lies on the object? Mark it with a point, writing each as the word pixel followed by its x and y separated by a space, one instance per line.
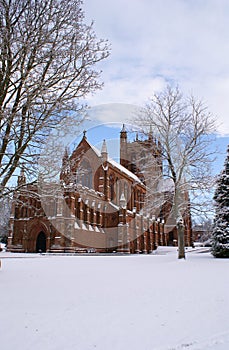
pixel 159 41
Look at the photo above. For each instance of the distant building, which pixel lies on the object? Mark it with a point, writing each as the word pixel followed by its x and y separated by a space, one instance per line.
pixel 100 205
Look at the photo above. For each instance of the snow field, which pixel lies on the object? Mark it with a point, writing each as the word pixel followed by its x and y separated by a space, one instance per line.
pixel 151 302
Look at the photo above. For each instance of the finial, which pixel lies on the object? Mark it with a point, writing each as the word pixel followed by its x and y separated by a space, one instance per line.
pixel 123 128
pixel 104 147
pixel 136 136
pixel 104 152
pixel 84 134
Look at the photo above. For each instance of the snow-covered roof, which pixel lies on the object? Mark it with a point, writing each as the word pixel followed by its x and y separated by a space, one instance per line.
pixel 116 165
pixel 124 170
pixel 97 152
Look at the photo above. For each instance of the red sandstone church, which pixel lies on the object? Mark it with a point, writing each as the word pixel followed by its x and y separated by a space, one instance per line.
pixel 99 205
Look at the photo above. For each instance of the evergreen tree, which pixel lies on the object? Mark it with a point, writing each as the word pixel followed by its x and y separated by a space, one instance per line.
pixel 220 237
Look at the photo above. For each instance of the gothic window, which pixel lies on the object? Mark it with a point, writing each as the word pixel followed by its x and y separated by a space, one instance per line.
pixel 98 218
pixel 126 193
pixel 92 216
pixel 135 199
pixel 139 200
pixel 142 200
pixel 112 192
pixel 78 204
pixel 117 191
pixel 85 213
pixel 84 174
pixel 17 212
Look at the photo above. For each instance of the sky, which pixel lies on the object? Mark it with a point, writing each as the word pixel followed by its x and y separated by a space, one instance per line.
pixel 155 42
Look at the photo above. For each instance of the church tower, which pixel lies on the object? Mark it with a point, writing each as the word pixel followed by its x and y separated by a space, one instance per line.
pixel 141 156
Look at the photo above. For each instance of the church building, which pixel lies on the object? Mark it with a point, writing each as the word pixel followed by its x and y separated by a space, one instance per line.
pixel 99 205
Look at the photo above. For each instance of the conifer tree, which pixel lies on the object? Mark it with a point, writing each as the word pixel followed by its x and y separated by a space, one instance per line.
pixel 220 237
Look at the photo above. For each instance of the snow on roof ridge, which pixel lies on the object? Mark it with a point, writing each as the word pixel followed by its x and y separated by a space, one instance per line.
pixel 123 169
pixel 116 164
pixel 98 153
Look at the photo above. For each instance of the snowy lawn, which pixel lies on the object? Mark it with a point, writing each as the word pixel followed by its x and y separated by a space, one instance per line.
pixel 147 302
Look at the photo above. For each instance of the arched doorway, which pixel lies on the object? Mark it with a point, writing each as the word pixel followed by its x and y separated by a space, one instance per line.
pixel 41 243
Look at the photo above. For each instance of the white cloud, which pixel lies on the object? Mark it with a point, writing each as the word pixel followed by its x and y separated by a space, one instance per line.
pixel 112 114
pixel 186 41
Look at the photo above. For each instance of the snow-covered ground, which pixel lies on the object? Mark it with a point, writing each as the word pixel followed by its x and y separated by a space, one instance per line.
pixel 146 302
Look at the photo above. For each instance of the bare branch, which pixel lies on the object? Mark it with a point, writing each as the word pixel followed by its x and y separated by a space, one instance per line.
pixel 47 64
pixel 185 129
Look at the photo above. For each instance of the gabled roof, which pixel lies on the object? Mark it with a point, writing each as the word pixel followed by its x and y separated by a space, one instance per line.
pixel 113 163
pixel 124 170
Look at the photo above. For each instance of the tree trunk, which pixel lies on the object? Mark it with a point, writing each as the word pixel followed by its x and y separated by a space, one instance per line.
pixel 181 243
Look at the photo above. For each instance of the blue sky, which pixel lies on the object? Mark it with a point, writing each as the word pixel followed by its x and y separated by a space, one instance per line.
pixel 99 129
pixel 155 42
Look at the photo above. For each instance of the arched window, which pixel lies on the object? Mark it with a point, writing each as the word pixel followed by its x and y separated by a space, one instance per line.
pixel 84 174
pixel 85 218
pixel 112 191
pixel 117 190
pixel 126 193
pixel 139 200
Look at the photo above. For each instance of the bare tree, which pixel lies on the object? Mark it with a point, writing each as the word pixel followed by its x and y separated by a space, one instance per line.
pixel 47 63
pixel 184 128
